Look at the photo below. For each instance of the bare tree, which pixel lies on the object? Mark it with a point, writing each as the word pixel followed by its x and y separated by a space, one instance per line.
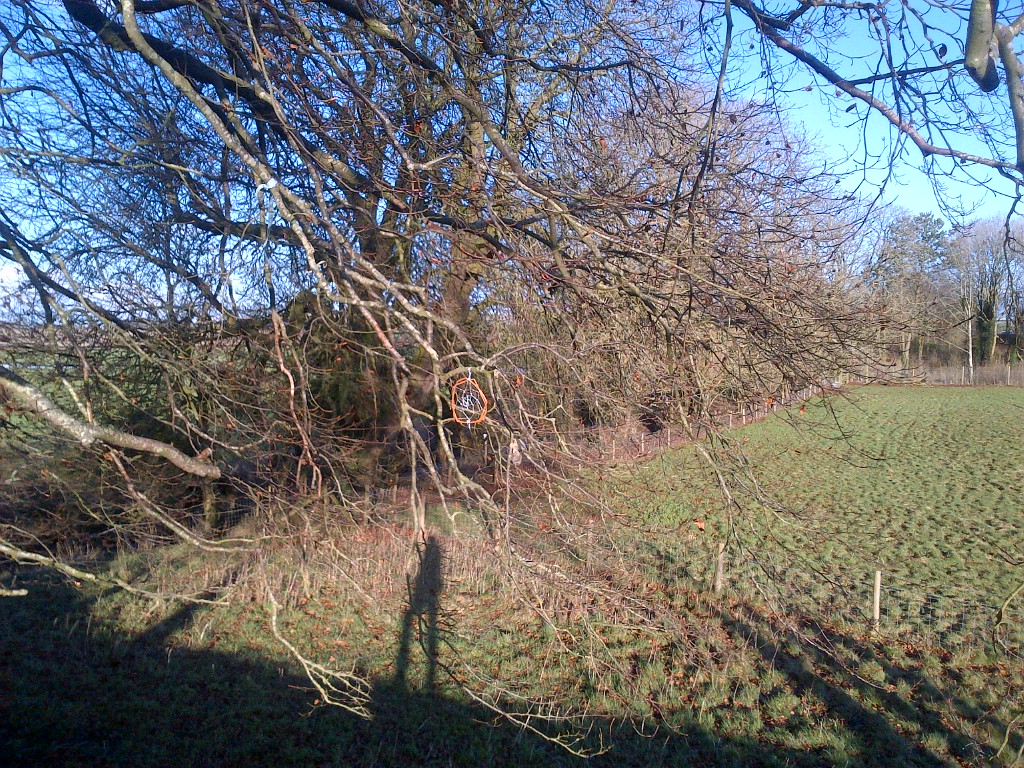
pixel 908 271
pixel 979 259
pixel 317 252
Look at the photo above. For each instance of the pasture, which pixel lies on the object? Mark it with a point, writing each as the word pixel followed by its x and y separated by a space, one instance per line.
pixel 924 484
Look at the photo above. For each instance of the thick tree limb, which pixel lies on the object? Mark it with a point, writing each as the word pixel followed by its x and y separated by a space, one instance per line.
pixel 822 69
pixel 1015 86
pixel 35 401
pixel 19 555
pixel 978 61
pixel 159 6
pixel 23 556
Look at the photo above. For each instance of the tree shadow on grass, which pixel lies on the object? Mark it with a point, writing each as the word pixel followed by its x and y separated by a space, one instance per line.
pixel 934 699
pixel 73 692
pixel 815 670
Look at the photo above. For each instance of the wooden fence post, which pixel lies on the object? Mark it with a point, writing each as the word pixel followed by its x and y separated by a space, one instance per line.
pixel 876 603
pixel 720 569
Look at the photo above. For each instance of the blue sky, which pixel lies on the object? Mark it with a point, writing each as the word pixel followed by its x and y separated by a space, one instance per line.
pixel 858 143
pixel 908 186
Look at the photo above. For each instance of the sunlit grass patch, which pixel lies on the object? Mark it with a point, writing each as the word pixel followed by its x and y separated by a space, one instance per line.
pixel 923 484
pixel 739 678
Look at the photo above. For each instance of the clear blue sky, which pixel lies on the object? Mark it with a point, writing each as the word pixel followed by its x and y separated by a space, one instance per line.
pixel 842 139
pixel 857 142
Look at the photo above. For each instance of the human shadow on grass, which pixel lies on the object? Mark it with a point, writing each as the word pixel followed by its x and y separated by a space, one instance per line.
pixel 421 615
pixel 75 692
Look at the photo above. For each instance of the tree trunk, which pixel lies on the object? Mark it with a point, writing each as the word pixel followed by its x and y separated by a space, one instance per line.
pixel 970 350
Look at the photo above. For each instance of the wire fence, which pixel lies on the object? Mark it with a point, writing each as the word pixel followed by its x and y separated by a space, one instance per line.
pixel 899 610
pixel 989 375
pixel 634 439
pixel 845 599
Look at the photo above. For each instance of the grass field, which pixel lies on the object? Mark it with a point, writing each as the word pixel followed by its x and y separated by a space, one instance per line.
pixel 924 483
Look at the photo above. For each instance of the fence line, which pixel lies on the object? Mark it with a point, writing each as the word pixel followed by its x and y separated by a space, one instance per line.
pixel 904 609
pixel 992 374
pixel 633 440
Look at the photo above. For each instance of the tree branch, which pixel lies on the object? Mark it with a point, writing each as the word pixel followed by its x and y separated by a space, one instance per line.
pixel 978 59
pixel 905 73
pixel 834 78
pixel 35 401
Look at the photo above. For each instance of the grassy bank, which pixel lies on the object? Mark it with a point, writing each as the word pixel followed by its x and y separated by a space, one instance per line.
pixel 919 479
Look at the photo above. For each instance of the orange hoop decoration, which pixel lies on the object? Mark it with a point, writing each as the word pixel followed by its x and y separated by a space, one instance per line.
pixel 469 403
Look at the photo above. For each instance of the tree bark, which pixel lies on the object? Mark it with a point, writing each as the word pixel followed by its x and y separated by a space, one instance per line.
pixel 33 400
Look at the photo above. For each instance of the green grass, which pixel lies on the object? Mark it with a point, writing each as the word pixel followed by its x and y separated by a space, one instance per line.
pixel 925 484
pixel 93 677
